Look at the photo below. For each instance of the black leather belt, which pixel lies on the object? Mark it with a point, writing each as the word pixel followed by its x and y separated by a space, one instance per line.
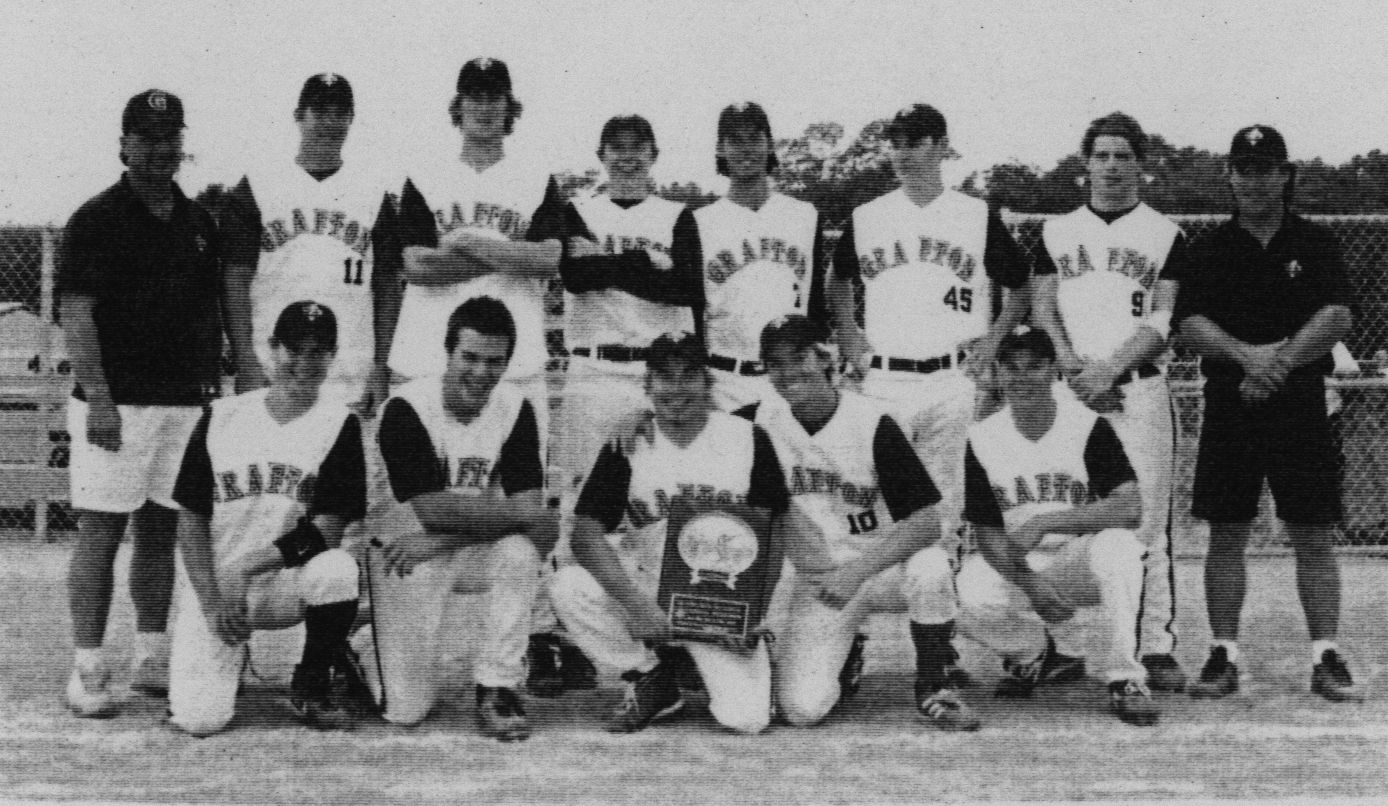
pixel 735 366
pixel 912 365
pixel 611 352
pixel 1143 371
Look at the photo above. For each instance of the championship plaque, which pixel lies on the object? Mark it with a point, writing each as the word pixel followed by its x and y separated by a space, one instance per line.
pixel 718 572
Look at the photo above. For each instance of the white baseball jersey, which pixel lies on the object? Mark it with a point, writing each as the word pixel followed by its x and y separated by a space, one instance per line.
pixel 612 315
pixel 256 477
pixel 758 265
pixel 1106 273
pixel 315 244
pixel 499 203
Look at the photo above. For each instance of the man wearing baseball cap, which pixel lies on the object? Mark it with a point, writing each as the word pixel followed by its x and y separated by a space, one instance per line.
pixel 1264 301
pixel 138 289
pixel 315 229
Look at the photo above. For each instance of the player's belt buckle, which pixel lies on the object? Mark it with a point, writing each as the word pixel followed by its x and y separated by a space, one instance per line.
pixel 925 367
pixel 1143 371
pixel 611 352
pixel 736 366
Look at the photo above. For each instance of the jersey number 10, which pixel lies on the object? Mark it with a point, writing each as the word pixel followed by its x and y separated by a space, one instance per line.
pixel 347 276
pixel 864 521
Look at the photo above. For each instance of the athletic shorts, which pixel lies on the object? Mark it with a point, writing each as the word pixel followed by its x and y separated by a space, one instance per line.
pixel 1286 440
pixel 145 468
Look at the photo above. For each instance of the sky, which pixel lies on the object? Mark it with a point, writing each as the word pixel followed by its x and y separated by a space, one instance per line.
pixel 1016 81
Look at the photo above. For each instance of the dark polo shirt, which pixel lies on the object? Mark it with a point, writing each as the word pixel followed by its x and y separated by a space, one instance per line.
pixel 1261 295
pixel 155 287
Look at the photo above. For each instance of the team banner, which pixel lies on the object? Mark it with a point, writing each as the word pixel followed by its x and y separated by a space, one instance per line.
pixel 718 573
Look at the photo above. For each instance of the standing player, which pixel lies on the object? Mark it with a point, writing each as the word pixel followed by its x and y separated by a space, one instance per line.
pixel 928 259
pixel 1054 504
pixel 847 462
pixel 759 255
pixel 270 480
pixel 1264 302
pixel 608 601
pixel 314 230
pixel 138 288
pixel 463 510
pixel 1104 289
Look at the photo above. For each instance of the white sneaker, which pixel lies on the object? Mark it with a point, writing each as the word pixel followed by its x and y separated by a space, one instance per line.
pixel 150 676
pixel 89 695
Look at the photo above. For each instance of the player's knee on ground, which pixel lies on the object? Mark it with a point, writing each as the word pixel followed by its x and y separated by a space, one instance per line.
pixel 203 720
pixel 1115 551
pixel 739 719
pixel 805 703
pixel 329 578
pixel 929 587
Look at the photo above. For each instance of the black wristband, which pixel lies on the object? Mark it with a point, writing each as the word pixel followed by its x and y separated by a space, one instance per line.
pixel 301 544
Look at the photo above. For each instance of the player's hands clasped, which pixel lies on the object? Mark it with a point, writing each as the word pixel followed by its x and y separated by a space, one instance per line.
pixel 838 587
pixel 407 551
pixel 1265 370
pixel 104 425
pixel 1094 380
pixel 1049 603
pixel 855 350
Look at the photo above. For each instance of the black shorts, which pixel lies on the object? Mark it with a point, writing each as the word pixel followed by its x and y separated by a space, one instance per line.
pixel 1286 440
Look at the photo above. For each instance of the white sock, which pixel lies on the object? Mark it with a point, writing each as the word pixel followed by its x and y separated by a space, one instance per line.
pixel 1319 648
pixel 151 645
pixel 1231 648
pixel 88 659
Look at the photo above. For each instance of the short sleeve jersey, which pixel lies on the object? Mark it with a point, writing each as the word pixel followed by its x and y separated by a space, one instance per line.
pixel 927 272
pixel 155 286
pixel 758 265
pixel 510 200
pixel 255 477
pixel 1263 294
pixel 311 239
pixel 1009 479
pixel 1106 271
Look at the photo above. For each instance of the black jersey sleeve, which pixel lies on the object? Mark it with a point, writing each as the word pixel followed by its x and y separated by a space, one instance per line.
pixel 817 306
pixel 748 412
pixel 193 488
pixel 1105 460
pixel 414 221
pixel 604 494
pixel 86 241
pixel 341 487
pixel 385 245
pixel 687 253
pixel 547 222
pixel 980 504
pixel 411 463
pixel 240 225
pixel 1178 265
pixel 846 253
pixel 905 484
pixel 518 467
pixel 767 488
pixel 1002 257
pixel 1043 263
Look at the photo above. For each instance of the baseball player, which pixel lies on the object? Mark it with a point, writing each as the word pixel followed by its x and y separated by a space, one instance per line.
pixel 928 259
pixel 1055 505
pixel 608 600
pixel 463 510
pixel 849 465
pixel 269 481
pixel 138 289
pixel 1103 289
pixel 314 230
pixel 759 254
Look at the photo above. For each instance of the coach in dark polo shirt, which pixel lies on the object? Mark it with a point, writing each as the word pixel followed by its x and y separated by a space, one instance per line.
pixel 1264 302
pixel 139 285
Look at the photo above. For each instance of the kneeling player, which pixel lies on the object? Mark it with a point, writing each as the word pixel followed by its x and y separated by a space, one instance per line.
pixel 1055 505
pixel 464 510
pixel 849 464
pixel 608 601
pixel 257 465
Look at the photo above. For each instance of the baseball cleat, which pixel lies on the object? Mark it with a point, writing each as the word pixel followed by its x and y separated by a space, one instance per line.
pixel 943 710
pixel 1054 668
pixel 1131 701
pixel 650 696
pixel 1331 679
pixel 501 715
pixel 680 664
pixel 89 694
pixel 545 661
pixel 312 698
pixel 1164 673
pixel 1219 678
pixel 851 675
pixel 349 687
pixel 150 676
pixel 579 672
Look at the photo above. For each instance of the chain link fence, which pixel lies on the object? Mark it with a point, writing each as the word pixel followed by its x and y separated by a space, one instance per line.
pixel 34 378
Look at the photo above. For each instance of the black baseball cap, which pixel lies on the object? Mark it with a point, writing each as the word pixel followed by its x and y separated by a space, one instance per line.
pixel 747 113
pixel 1258 143
pixel 916 122
pixel 793 332
pixel 681 347
pixel 484 76
pixel 1030 338
pixel 635 125
pixel 326 90
pixel 305 320
pixel 153 113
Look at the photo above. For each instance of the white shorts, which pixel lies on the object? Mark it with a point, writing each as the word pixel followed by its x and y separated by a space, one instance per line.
pixel 145 468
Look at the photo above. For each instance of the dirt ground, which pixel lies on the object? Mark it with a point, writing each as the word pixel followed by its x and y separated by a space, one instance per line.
pixel 1272 741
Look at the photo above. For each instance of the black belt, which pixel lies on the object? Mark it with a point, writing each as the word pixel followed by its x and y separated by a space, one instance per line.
pixel 735 366
pixel 612 352
pixel 912 365
pixel 1143 371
